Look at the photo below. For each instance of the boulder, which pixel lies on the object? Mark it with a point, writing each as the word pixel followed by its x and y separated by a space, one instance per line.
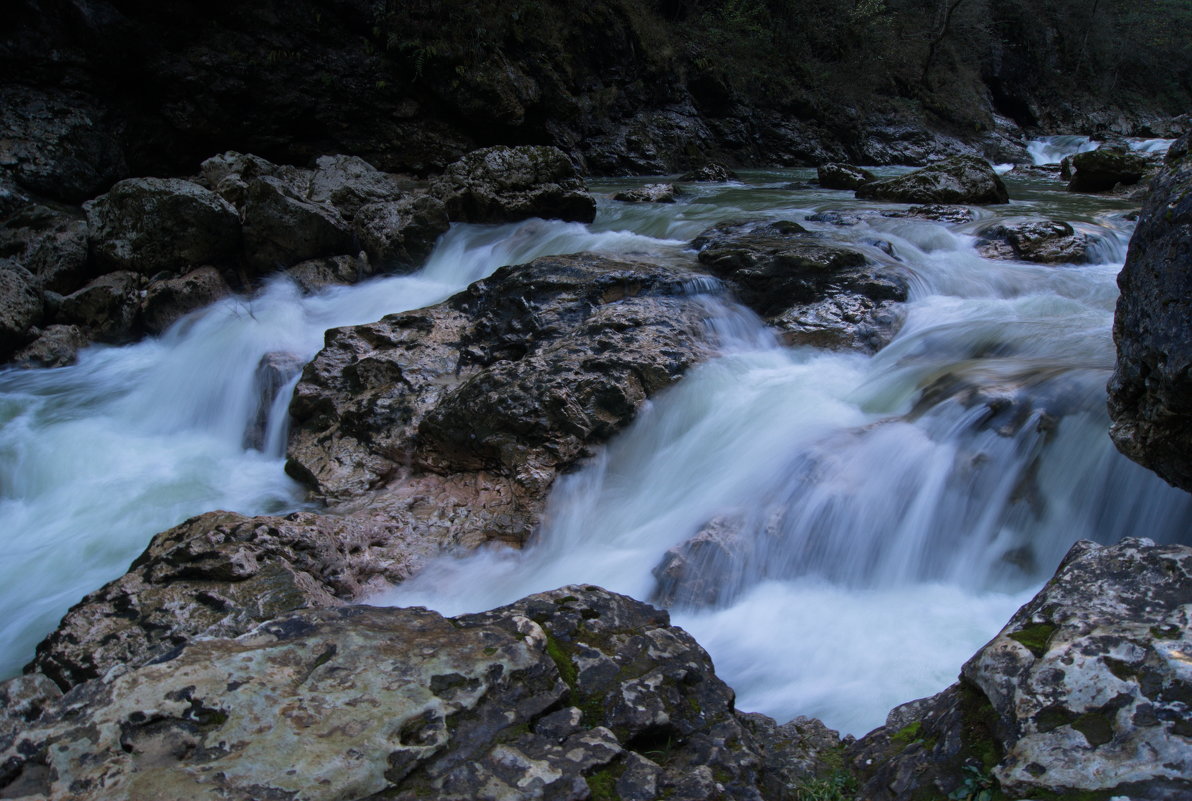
pixel 960 179
pixel 151 225
pixel 273 373
pixel 1150 393
pixel 50 243
pixel 1104 168
pixel 230 173
pixel 650 193
pixel 316 274
pixel 282 229
pixel 168 300
pixel 1045 242
pixel 1083 694
pixel 814 290
pixel 21 306
pixel 937 212
pixel 398 235
pixel 505 184
pixel 572 694
pixel 707 568
pixel 834 175
pixel 107 308
pixel 710 173
pixel 56 346
pixel 349 183
pixel 517 375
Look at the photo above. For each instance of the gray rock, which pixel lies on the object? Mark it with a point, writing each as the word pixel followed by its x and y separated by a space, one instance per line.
pixel 706 569
pixel 960 179
pixel 710 173
pixel 936 212
pixel 812 289
pixel 318 274
pixel 282 229
pixel 350 182
pixel 150 225
pixel 51 244
pixel 1045 242
pixel 1150 393
pixel 1084 692
pixel 21 306
pixel 650 193
pixel 572 694
pixel 842 176
pixel 56 346
pixel 169 300
pixel 107 308
pixel 1104 168
pixel 273 372
pixel 398 235
pixel 505 184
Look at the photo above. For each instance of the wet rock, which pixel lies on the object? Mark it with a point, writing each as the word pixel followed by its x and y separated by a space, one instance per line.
pixel 282 229
pixel 834 218
pixel 50 243
pixel 936 212
pixel 1045 242
pixel 796 754
pixel 274 371
pixel 60 144
pixel 56 346
pixel 812 289
pixel 1083 693
pixel 150 225
pixel 21 306
pixel 169 300
pixel 349 182
pixel 108 308
pixel 842 176
pixel 650 193
pixel 398 235
pixel 960 179
pixel 516 375
pixel 318 274
pixel 706 569
pixel 899 139
pixel 571 694
pixel 1102 169
pixel 1150 394
pixel 505 184
pixel 710 173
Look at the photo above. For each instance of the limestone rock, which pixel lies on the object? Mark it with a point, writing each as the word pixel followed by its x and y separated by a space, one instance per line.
pixel 108 308
pixel 50 243
pixel 571 694
pixel 834 175
pixel 650 193
pixel 55 346
pixel 316 274
pixel 1104 168
pixel 21 306
pixel 274 371
pixel 960 179
pixel 706 569
pixel 349 183
pixel 1150 394
pixel 1084 692
pixel 398 235
pixel 150 225
pixel 518 374
pixel 505 184
pixel 710 173
pixel 814 290
pixel 282 229
pixel 168 300
pixel 1045 242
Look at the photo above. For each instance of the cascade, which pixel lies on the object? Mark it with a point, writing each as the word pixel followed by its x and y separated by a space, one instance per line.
pixel 881 516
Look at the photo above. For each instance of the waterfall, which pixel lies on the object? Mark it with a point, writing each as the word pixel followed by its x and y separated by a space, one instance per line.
pixel 870 520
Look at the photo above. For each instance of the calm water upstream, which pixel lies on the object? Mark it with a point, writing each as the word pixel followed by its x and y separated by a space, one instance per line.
pixel 893 524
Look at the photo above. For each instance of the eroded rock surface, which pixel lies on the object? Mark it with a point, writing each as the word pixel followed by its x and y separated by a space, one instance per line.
pixel 1150 394
pixel 834 175
pixel 573 694
pixel 1102 169
pixel 503 184
pixel 1084 693
pixel 650 193
pixel 960 179
pixel 813 289
pixel 1044 242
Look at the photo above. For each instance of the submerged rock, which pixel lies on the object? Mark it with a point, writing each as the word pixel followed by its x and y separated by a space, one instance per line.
pixel 960 179
pixel 571 694
pixel 505 184
pixel 1084 692
pixel 1045 242
pixel 814 290
pixel 1150 394
pixel 842 176
pixel 710 173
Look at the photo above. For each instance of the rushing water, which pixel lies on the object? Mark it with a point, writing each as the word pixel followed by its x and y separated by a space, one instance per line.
pixel 1053 149
pixel 892 511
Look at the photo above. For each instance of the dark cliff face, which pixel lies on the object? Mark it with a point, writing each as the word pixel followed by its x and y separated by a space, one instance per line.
pixel 102 89
pixel 1150 395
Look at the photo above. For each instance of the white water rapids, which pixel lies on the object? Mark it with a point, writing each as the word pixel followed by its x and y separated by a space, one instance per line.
pixel 898 507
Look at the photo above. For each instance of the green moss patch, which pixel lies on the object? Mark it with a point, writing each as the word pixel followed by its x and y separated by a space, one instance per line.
pixel 1035 637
